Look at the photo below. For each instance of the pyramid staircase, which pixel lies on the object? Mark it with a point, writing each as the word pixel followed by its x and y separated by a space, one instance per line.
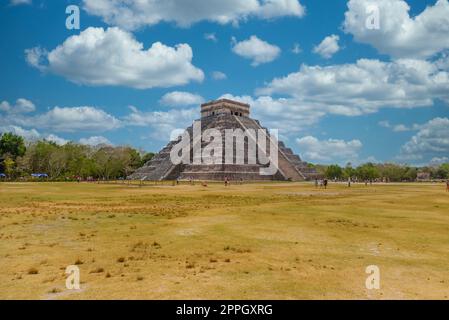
pixel 290 166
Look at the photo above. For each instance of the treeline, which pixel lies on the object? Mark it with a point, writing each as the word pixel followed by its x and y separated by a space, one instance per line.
pixel 384 172
pixel 67 162
pixel 72 161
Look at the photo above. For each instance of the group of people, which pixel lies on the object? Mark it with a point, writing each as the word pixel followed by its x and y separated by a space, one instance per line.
pixel 204 183
pixel 322 183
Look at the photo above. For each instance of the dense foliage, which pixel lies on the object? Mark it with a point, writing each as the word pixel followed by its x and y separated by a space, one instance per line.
pixel 383 171
pixel 68 161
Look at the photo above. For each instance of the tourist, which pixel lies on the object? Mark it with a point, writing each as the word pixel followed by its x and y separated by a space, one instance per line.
pixel 325 183
pixel 349 182
pixel 226 181
pixel 316 183
pixel 447 185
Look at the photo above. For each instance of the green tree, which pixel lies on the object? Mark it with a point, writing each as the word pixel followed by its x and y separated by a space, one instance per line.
pixel 334 172
pixel 367 171
pixel 147 157
pixel 12 145
pixel 349 171
pixel 9 167
pixel 410 174
pixel 442 172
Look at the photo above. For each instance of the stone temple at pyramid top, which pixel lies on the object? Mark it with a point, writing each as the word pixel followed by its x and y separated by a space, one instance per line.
pixel 224 106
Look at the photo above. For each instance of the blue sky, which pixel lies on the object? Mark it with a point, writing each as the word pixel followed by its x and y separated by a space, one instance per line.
pixel 350 93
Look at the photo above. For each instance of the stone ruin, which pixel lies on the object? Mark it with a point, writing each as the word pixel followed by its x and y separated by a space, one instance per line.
pixel 224 114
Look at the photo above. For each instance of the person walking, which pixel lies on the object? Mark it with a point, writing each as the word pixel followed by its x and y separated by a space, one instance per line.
pixel 349 182
pixel 447 185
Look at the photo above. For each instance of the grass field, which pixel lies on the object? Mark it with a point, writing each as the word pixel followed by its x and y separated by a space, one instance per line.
pixel 255 241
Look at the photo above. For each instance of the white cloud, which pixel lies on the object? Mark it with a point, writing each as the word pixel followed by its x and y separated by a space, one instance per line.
pixel 363 87
pixel 132 15
pixel 289 116
pixel 113 57
pixel 211 37
pixel 399 34
pixel 181 99
pixel 296 48
pixel 218 75
pixel 399 127
pixel 436 161
pixel 65 119
pixel 95 141
pixel 257 50
pixel 32 134
pixel 21 106
pixel 432 140
pixel 162 123
pixel 328 47
pixel 19 2
pixel 327 151
pixel 58 140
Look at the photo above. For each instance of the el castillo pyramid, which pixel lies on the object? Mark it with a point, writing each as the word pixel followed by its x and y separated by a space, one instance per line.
pixel 221 115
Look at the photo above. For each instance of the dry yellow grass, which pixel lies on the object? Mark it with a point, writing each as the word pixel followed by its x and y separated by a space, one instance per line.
pixel 255 241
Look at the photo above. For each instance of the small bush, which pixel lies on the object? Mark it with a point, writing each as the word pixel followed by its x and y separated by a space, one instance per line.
pixel 33 271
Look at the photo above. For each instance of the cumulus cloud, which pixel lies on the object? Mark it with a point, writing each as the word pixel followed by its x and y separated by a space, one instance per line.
pixel 289 116
pixel 161 124
pixel 399 34
pixel 132 15
pixel 66 119
pixel 21 106
pixel 399 127
pixel 363 87
pixel 331 150
pixel 31 134
pixel 328 47
pixel 257 50
pixel 113 57
pixel 56 139
pixel 218 75
pixel 181 99
pixel 95 141
pixel 431 141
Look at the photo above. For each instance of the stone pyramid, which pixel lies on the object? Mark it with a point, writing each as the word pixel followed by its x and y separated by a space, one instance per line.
pixel 221 115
